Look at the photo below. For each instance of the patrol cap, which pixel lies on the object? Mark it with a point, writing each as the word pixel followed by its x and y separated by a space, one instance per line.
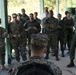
pixel 39 39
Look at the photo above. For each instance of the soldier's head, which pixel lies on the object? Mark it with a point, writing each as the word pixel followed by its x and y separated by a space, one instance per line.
pixel 59 16
pixel 66 12
pixel 68 15
pixel 46 13
pixel 18 16
pixel 51 13
pixel 39 43
pixel 14 16
pixel 31 17
pixel 23 11
pixel 9 18
pixel 35 15
pixel 45 9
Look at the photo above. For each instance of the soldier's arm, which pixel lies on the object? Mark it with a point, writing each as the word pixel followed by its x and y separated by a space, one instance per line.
pixel 56 70
pixel 26 26
pixel 38 27
pixel 56 24
pixel 4 35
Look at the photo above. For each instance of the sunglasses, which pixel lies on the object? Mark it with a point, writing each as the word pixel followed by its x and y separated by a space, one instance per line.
pixel 14 17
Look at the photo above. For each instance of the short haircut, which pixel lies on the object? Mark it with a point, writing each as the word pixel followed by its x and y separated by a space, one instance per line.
pixel 37 48
pixel 59 14
pixel 9 16
pixel 14 14
pixel 22 9
pixel 36 13
pixel 66 12
pixel 31 14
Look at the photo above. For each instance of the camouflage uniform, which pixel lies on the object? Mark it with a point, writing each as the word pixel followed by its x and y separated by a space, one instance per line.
pixel 53 35
pixel 69 31
pixel 38 20
pixel 18 42
pixel 41 39
pixel 30 25
pixel 45 22
pixel 2 45
pixel 24 17
pixel 56 70
pixel 61 37
pixel 72 48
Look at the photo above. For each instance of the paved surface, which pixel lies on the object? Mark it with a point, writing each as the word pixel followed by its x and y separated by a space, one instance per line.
pixel 62 64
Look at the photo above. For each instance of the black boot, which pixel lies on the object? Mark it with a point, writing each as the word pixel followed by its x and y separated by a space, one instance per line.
pixel 71 64
pixel 57 58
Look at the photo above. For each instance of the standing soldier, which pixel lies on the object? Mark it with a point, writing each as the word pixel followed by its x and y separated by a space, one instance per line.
pixel 24 17
pixel 3 35
pixel 44 22
pixel 18 38
pixel 73 46
pixel 61 33
pixel 31 27
pixel 36 18
pixel 53 25
pixel 69 29
pixel 64 19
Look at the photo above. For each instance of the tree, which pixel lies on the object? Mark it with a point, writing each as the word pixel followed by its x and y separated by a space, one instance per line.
pixel 50 3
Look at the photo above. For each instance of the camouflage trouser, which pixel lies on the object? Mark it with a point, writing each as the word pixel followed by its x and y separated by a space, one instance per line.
pixel 61 39
pixel 53 43
pixel 69 38
pixel 19 48
pixel 72 48
pixel 2 55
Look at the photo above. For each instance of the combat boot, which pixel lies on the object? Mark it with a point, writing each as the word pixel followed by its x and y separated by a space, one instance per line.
pixel 71 64
pixel 57 58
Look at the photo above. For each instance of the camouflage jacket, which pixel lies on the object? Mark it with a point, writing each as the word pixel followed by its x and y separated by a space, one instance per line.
pixel 3 35
pixel 31 26
pixel 17 29
pixel 56 70
pixel 25 18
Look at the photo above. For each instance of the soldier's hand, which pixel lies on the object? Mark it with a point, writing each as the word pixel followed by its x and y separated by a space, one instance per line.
pixel 14 36
pixel 5 34
pixel 19 35
pixel 35 28
pixel 59 26
pixel 51 26
pixel 28 29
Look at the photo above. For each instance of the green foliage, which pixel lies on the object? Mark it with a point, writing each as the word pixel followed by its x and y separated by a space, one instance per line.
pixel 50 3
pixel 15 2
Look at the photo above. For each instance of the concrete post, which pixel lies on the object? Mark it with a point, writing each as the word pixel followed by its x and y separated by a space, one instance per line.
pixel 41 7
pixel 57 7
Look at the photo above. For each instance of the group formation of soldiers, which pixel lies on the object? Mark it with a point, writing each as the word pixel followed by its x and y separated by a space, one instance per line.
pixel 22 26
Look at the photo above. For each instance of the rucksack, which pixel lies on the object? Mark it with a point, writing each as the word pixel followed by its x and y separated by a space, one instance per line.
pixel 34 69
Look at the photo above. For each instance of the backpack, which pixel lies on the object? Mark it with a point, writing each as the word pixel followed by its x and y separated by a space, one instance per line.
pixel 34 69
